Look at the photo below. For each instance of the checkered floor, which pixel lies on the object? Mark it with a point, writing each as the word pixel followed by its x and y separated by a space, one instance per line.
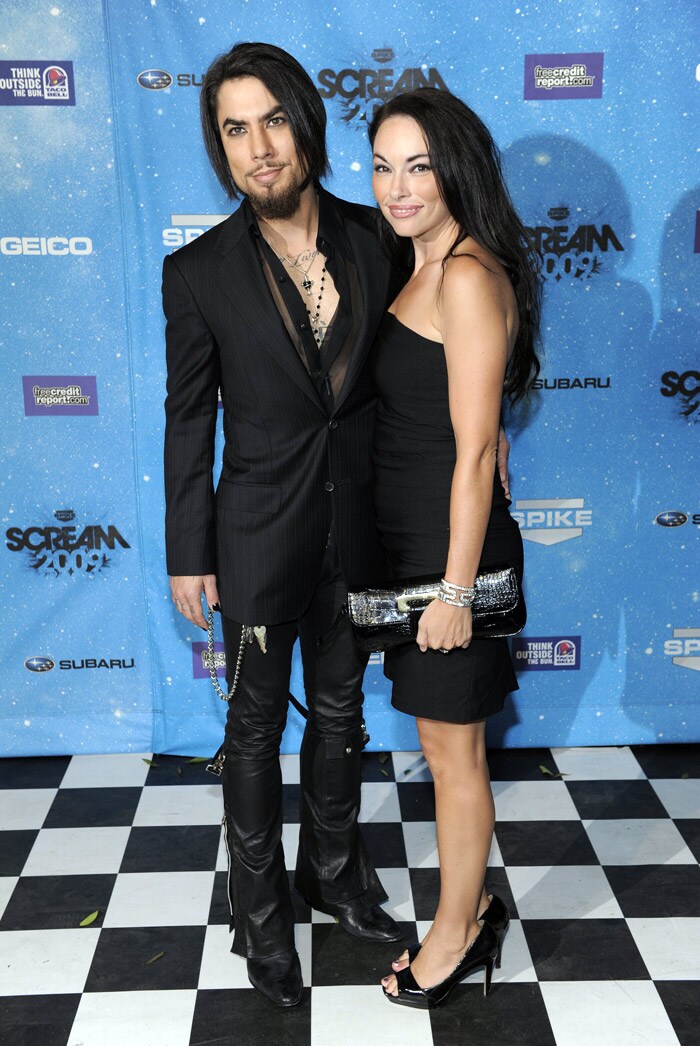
pixel 596 853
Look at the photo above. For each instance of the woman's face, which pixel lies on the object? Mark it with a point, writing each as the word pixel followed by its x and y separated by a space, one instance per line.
pixel 403 180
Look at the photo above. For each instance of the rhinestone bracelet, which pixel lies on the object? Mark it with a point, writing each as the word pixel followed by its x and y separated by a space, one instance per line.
pixel 456 595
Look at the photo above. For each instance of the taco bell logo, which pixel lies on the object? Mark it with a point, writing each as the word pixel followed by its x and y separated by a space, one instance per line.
pixel 30 82
pixel 565 654
pixel 55 83
pixel 555 76
pixel 551 521
pixel 547 653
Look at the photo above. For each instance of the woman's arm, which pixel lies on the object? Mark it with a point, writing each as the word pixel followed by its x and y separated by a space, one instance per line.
pixel 472 315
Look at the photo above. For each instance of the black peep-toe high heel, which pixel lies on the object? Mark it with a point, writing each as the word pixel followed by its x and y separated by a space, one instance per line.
pixel 481 952
pixel 496 915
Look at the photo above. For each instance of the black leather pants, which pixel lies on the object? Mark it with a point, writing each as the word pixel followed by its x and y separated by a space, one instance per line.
pixel 332 863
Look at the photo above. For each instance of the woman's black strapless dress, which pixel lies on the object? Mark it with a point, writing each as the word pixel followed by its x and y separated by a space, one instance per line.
pixel 414 456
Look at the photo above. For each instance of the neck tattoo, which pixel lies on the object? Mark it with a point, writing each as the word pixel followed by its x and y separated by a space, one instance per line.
pixel 303 262
pixel 306 256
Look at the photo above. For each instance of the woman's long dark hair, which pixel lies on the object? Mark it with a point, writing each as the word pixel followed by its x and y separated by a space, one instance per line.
pixel 467 168
pixel 293 88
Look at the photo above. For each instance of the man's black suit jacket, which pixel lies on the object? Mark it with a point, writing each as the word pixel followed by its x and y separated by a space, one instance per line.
pixel 290 469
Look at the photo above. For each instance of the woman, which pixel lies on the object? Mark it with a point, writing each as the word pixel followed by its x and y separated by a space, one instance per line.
pixel 460 332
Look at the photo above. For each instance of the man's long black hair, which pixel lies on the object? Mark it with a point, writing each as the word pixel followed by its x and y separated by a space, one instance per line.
pixel 290 85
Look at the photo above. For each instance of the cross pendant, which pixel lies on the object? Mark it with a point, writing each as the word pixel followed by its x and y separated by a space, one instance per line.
pixel 307 284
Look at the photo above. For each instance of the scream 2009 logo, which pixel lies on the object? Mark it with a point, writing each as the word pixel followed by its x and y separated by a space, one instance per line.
pixel 55 551
pixel 359 91
pixel 576 253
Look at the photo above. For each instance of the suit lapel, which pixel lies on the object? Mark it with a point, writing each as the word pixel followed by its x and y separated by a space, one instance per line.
pixel 373 273
pixel 242 281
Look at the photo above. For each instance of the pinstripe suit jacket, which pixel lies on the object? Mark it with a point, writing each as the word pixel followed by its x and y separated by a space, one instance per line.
pixel 264 530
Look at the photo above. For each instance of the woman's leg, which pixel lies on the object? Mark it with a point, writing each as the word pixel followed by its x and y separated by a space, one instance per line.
pixel 464 814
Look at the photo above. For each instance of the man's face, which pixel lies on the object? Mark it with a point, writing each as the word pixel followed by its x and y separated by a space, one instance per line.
pixel 259 146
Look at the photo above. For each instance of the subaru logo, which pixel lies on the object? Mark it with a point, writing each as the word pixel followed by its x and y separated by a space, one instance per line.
pixel 39 664
pixel 154 79
pixel 671 519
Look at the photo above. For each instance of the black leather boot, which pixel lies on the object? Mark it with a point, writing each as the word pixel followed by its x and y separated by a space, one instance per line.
pixel 333 866
pixel 278 978
pixel 258 887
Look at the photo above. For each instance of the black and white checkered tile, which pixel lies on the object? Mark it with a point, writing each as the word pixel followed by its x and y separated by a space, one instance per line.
pixel 599 868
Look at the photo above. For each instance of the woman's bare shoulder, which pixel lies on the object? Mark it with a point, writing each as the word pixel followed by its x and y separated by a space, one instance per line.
pixel 470 276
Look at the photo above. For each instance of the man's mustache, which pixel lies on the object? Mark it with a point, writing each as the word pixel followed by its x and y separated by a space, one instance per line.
pixel 266 167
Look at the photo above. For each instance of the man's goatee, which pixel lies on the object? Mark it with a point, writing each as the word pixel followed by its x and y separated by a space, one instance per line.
pixel 281 205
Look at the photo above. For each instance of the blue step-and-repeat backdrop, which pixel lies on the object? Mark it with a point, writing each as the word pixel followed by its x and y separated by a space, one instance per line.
pixel 103 172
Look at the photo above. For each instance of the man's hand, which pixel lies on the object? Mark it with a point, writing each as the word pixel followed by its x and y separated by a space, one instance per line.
pixel 187 595
pixel 502 460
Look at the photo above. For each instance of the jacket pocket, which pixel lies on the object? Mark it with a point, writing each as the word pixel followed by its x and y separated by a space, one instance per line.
pixel 233 496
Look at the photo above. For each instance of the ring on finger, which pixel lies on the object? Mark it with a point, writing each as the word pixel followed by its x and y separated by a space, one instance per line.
pixel 443 650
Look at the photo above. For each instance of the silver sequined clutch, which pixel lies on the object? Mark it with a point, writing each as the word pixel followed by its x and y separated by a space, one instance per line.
pixel 386 617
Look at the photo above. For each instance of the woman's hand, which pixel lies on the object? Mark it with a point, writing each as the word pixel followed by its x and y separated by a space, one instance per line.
pixel 443 627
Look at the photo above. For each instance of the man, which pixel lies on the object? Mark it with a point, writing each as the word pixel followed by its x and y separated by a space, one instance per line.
pixel 277 308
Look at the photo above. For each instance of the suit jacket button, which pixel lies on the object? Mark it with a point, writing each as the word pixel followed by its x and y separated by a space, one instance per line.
pixel 332 424
pixel 330 486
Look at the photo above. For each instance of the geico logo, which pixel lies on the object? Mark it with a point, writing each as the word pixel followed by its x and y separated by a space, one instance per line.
pixel 688 384
pixel 54 245
pixel 173 237
pixel 682 647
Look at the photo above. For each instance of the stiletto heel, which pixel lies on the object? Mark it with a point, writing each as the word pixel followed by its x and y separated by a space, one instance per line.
pixel 481 952
pixel 488 971
pixel 496 915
